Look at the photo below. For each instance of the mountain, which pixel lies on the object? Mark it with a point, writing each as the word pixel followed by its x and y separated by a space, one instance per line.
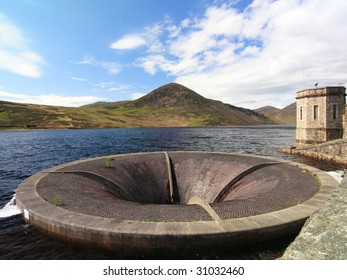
pixel 171 105
pixel 174 99
pixel 268 110
pixel 286 115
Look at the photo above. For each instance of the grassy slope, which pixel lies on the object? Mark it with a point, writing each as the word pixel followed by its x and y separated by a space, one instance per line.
pixel 286 115
pixel 169 106
pixel 13 115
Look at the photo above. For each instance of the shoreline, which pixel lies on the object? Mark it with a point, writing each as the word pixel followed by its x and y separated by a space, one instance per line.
pixel 142 127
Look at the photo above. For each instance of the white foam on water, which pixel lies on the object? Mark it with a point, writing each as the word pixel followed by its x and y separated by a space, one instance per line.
pixel 10 209
pixel 338 175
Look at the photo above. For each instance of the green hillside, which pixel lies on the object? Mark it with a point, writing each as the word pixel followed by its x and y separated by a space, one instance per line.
pixel 171 105
pixel 285 116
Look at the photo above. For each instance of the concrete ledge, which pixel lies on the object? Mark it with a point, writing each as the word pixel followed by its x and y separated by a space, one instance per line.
pixel 120 234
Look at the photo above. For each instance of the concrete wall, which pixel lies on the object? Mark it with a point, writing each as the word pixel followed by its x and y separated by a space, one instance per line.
pixel 335 151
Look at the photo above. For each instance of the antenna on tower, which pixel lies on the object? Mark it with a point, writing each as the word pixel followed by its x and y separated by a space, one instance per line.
pixel 303 75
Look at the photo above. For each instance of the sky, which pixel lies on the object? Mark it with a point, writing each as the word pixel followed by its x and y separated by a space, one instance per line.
pixel 246 53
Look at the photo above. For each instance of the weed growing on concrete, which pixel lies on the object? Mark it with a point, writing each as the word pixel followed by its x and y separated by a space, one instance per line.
pixel 56 200
pixel 108 162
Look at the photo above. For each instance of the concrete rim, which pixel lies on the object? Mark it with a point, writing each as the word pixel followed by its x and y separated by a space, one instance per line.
pixel 112 233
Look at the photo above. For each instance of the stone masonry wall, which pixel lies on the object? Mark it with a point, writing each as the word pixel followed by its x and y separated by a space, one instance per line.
pixel 324 123
pixel 323 237
pixel 335 151
pixel 308 128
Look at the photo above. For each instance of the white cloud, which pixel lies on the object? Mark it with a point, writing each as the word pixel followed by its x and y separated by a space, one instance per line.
pixel 87 59
pixel 113 87
pixel 119 88
pixel 104 85
pixel 111 67
pixel 78 79
pixel 49 99
pixel 10 35
pixel 128 42
pixel 15 54
pixel 256 57
pixel 137 95
pixel 150 37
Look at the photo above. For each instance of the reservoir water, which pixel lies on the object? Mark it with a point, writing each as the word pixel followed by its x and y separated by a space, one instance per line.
pixel 23 153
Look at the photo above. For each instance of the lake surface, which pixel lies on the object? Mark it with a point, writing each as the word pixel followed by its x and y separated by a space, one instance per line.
pixel 23 153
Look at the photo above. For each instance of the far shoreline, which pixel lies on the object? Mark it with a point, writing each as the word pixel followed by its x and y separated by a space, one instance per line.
pixel 142 127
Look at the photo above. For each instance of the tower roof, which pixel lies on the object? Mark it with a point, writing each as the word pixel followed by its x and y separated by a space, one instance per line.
pixel 321 91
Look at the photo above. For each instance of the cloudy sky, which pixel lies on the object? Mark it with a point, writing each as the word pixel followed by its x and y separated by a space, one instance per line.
pixel 246 53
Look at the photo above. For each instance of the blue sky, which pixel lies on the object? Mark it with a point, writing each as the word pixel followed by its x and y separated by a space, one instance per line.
pixel 246 53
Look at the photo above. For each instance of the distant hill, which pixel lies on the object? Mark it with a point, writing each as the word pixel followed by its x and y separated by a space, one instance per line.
pixel 268 110
pixel 106 104
pixel 286 115
pixel 171 105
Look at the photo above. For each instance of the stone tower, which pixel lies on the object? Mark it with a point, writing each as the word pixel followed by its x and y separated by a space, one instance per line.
pixel 319 116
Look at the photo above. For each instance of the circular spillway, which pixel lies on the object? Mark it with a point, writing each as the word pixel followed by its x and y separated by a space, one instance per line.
pixel 174 199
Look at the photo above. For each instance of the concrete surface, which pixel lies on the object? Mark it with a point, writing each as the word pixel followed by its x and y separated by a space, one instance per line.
pixel 127 201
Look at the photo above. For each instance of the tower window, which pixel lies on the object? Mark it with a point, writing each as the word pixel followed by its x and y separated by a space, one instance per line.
pixel 315 112
pixel 334 111
pixel 300 113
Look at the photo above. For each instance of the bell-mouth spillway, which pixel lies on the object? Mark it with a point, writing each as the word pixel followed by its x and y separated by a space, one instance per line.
pixel 173 199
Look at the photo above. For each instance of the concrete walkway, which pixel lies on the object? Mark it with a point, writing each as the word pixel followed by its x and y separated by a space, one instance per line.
pixel 324 235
